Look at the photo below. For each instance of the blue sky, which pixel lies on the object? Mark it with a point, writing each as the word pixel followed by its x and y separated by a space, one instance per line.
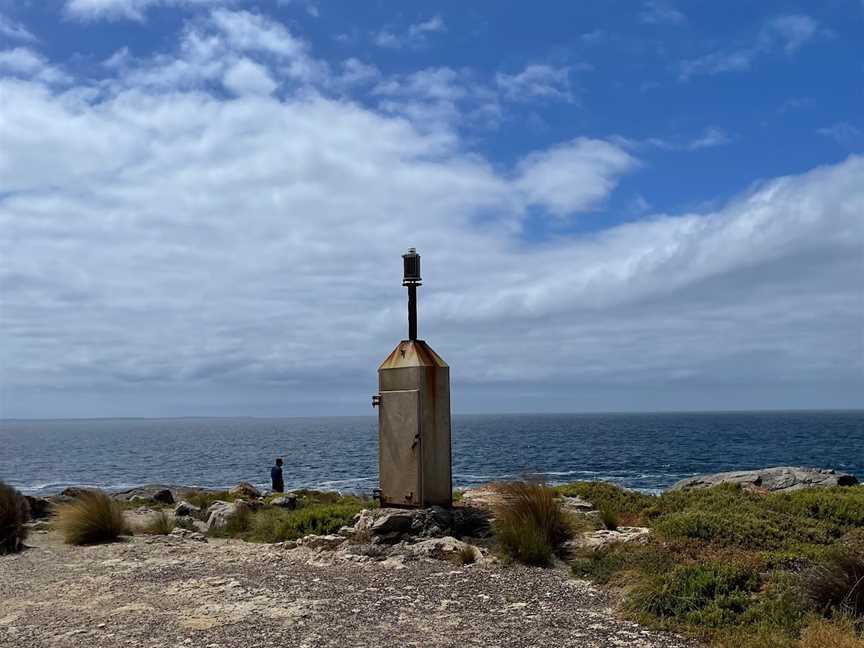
pixel 666 198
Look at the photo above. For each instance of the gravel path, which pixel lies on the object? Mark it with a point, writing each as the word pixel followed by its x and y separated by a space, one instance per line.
pixel 166 592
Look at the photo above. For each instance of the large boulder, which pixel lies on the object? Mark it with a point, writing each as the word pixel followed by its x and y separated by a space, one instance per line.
pixel 220 512
pixel 782 479
pixel 245 490
pixel 392 521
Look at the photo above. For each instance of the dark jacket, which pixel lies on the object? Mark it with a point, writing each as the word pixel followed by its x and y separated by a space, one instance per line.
pixel 276 478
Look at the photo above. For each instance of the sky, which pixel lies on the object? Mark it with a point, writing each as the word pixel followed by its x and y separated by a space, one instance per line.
pixel 620 206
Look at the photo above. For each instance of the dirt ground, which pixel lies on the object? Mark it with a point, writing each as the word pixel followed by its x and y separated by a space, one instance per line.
pixel 166 592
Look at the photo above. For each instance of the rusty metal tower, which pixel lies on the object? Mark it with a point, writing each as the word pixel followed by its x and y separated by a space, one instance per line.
pixel 413 400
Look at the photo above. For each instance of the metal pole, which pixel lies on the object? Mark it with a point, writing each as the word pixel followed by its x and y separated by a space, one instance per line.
pixel 412 312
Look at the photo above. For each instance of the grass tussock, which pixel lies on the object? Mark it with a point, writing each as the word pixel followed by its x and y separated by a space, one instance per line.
pixel 465 556
pixel 162 523
pixel 738 568
pixel 14 513
pixel 530 523
pixel 92 518
pixel 837 633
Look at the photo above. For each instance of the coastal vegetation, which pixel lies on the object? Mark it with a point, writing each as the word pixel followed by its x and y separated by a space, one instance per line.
pixel 14 513
pixel 91 518
pixel 317 512
pixel 737 567
pixel 530 523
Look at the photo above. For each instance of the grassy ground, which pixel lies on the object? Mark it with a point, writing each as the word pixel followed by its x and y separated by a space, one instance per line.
pixel 738 568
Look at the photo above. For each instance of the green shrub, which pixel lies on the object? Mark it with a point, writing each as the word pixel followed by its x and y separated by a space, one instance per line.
pixel 90 519
pixel 529 522
pixel 162 523
pixel 609 518
pixel 203 499
pixel 14 513
pixel 710 594
pixel 630 505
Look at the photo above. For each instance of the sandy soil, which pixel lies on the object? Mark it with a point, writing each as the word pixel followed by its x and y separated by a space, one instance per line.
pixel 166 592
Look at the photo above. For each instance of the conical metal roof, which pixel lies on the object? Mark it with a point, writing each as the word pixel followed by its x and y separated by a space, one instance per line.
pixel 412 353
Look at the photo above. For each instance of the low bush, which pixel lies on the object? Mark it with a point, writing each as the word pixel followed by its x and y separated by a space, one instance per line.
pixel 162 523
pixel 529 524
pixel 712 594
pixel 14 513
pixel 609 518
pixel 278 525
pixel 90 519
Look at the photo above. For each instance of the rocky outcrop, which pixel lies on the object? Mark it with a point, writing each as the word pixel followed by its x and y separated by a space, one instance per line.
pixel 395 525
pixel 783 479
pixel 595 540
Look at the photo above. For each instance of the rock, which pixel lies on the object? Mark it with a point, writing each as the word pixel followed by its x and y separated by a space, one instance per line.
pixel 783 478
pixel 469 521
pixel 39 526
pixel 446 548
pixel 576 504
pixel 326 542
pixel 163 496
pixel 363 521
pixel 75 492
pixel 185 508
pixel 245 490
pixel 286 502
pixel 39 507
pixel 595 540
pixel 392 520
pixel 186 534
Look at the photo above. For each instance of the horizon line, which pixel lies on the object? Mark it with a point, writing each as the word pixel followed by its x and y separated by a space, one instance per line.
pixel 322 416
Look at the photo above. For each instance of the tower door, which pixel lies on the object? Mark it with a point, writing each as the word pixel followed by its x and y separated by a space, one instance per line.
pixel 400 452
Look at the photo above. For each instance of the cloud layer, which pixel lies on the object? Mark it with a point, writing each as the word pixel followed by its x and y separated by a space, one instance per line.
pixel 218 229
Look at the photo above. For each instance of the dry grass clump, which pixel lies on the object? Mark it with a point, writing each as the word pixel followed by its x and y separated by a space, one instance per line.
pixel 14 512
pixel 465 556
pixel 92 518
pixel 162 523
pixel 838 633
pixel 530 523
pixel 836 583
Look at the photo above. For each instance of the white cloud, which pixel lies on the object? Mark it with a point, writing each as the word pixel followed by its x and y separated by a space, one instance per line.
pixel 711 138
pixel 845 134
pixel 160 242
pixel 415 36
pixel 24 62
pixel 793 31
pixel 247 77
pixel 537 82
pixel 15 30
pixel 658 12
pixel 572 177
pixel 126 9
pixel 788 32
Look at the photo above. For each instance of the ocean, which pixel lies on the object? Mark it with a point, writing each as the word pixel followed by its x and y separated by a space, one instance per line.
pixel 648 452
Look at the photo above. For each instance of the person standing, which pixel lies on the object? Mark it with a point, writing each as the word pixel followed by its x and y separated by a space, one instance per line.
pixel 276 477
